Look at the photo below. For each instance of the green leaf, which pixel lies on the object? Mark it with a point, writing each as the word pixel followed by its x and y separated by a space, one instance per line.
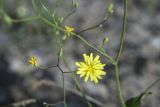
pixel 136 101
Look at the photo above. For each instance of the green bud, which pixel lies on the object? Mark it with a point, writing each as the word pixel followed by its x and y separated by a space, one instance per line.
pixel 110 8
pixel 60 19
pixel 75 4
pixel 7 19
pixel 21 11
pixel 105 40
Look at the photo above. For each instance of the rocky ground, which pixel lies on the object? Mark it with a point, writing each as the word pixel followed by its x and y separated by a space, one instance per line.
pixel 139 64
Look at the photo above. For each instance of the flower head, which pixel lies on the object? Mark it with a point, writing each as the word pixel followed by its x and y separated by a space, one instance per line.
pixel 33 61
pixel 68 31
pixel 91 68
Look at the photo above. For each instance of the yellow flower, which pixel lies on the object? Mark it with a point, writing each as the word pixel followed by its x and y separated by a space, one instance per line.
pixel 33 61
pixel 68 31
pixel 91 68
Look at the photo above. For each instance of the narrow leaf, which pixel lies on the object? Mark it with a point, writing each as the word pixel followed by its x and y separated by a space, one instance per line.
pixel 136 101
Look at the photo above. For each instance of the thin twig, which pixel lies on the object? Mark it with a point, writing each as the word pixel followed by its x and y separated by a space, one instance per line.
pixel 71 90
pixel 158 80
pixel 69 14
pixel 22 103
pixel 25 19
pixel 95 26
pixel 64 91
pixel 122 33
pixel 48 104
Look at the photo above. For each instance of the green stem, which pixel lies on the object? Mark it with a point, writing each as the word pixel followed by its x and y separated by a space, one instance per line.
pixel 123 32
pixel 64 91
pixel 103 53
pixel 153 84
pixel 25 19
pixel 51 24
pixel 119 54
pixel 35 7
pixel 119 86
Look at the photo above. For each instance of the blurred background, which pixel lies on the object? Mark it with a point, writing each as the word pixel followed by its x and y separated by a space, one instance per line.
pixel 139 64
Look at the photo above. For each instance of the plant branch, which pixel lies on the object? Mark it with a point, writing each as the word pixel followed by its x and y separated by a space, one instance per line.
pixel 123 32
pixel 64 91
pixel 25 19
pixel 95 26
pixel 48 104
pixel 93 47
pixel 153 84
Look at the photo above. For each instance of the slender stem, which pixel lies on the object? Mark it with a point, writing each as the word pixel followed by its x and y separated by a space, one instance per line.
pixel 119 86
pixel 48 104
pixel 51 24
pixel 153 84
pixel 35 7
pixel 25 19
pixel 95 26
pixel 119 54
pixel 103 53
pixel 64 91
pixel 123 32
pixel 22 103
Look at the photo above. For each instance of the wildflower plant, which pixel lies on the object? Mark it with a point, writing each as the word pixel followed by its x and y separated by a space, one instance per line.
pixel 91 68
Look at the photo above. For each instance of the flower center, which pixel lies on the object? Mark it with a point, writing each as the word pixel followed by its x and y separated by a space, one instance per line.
pixel 90 68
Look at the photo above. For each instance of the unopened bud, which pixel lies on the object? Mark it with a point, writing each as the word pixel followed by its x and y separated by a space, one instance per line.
pixel 110 8
pixel 7 19
pixel 105 40
pixel 75 4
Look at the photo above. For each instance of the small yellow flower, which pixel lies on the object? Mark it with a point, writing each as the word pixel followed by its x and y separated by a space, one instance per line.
pixel 91 68
pixel 33 61
pixel 68 31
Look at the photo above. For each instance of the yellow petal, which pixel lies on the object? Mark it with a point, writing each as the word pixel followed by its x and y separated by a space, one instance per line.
pixel 95 80
pixel 86 78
